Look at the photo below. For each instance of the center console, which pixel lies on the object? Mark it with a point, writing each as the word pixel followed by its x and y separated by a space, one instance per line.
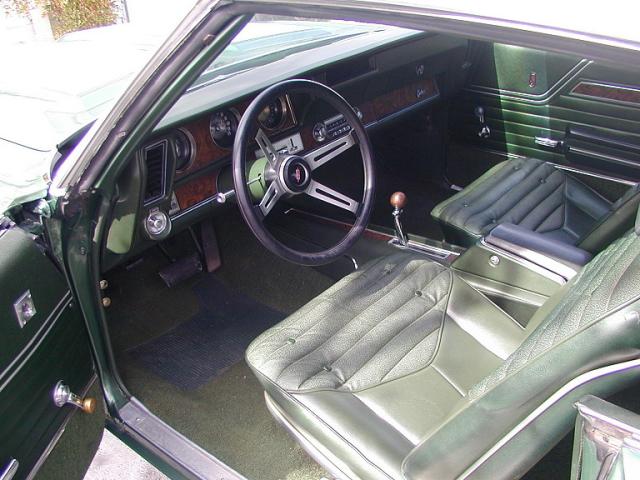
pixel 519 269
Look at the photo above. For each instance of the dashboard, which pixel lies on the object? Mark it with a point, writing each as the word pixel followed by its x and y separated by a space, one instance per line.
pixel 186 161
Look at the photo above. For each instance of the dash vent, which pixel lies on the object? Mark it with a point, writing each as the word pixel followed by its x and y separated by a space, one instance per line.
pixel 155 159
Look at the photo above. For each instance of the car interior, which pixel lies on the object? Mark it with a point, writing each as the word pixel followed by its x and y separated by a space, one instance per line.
pixel 398 276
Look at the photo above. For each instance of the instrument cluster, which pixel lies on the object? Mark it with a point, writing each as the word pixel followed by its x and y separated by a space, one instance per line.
pixel 223 123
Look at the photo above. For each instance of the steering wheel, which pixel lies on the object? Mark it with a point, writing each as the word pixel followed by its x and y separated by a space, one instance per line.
pixel 282 175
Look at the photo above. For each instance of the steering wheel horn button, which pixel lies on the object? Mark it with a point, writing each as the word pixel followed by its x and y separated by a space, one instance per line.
pixel 295 174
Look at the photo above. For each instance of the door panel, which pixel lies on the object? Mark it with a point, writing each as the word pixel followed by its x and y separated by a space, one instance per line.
pixel 52 346
pixel 533 99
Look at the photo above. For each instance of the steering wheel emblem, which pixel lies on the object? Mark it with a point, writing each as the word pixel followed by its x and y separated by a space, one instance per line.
pixel 296 174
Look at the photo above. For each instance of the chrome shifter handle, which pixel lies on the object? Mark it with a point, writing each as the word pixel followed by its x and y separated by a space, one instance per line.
pixel 398 201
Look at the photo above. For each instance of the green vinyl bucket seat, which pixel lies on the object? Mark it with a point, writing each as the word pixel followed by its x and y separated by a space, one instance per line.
pixel 402 370
pixel 540 197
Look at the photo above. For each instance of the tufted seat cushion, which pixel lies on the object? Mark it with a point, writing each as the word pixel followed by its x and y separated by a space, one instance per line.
pixel 380 324
pixel 537 196
pixel 380 345
pixel 402 370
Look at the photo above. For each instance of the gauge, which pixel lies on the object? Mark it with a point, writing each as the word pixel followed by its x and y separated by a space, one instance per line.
pixel 184 149
pixel 223 126
pixel 320 132
pixel 273 114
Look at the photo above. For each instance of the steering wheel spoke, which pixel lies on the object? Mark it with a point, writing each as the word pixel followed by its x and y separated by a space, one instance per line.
pixel 270 198
pixel 288 175
pixel 267 148
pixel 331 150
pixel 332 197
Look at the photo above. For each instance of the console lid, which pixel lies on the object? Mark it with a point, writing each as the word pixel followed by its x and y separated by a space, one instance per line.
pixel 558 257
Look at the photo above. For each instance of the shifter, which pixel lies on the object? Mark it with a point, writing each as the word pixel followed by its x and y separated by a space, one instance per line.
pixel 398 201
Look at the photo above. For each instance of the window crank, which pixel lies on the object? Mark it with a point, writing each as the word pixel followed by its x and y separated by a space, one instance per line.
pixel 485 131
pixel 62 395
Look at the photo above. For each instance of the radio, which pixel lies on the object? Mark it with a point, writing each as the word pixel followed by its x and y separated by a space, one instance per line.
pixel 333 127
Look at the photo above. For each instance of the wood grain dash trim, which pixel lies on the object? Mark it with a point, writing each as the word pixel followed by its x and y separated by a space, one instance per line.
pixel 196 190
pixel 615 93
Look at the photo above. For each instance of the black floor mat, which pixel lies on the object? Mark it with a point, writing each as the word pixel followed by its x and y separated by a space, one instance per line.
pixel 211 341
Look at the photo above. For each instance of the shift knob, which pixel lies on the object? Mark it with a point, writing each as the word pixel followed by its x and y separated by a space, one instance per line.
pixel 398 200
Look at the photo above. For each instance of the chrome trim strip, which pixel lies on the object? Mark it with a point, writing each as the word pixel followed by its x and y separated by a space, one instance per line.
pixel 58 435
pixel 27 351
pixel 423 248
pixel 548 403
pixel 595 175
pixel 532 256
pixel 595 408
pixel 186 454
pixel 10 470
pixel 525 263
pixel 603 156
pixel 195 206
pixel 531 98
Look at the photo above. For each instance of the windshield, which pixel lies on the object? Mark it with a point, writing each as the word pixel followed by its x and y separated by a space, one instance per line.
pixel 265 40
pixel 59 86
pixel 65 84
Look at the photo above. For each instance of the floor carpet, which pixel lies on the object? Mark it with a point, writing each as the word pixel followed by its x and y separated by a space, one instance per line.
pixel 211 341
pixel 226 415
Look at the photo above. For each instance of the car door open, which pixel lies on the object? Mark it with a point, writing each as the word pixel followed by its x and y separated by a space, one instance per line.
pixel 44 359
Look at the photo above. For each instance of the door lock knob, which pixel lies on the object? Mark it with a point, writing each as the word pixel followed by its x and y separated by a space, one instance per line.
pixel 485 131
pixel 62 395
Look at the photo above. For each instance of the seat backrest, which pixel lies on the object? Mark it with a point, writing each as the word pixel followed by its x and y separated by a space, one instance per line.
pixel 614 224
pixel 591 322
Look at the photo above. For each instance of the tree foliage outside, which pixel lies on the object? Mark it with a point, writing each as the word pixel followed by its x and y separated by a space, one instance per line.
pixel 68 15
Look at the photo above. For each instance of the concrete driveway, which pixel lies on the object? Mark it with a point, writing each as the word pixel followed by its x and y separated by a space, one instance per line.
pixel 116 461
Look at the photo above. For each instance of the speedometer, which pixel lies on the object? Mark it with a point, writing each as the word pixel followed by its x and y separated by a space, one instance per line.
pixel 273 114
pixel 223 126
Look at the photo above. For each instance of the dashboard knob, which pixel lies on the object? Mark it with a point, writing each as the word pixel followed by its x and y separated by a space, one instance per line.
pixel 157 224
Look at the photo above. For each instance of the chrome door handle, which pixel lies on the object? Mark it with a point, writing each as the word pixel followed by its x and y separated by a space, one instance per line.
pixel 547 142
pixel 62 395
pixel 10 470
